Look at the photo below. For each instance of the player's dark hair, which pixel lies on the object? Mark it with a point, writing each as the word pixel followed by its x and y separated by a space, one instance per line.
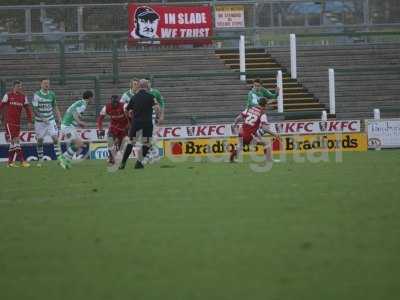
pixel 132 80
pixel 114 98
pixel 87 94
pixel 16 82
pixel 262 101
pixel 44 78
pixel 257 80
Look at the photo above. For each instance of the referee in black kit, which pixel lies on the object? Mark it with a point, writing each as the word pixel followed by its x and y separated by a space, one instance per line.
pixel 141 105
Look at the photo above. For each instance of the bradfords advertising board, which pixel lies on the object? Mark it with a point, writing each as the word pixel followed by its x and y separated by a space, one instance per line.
pixel 384 133
pixel 191 23
pixel 289 144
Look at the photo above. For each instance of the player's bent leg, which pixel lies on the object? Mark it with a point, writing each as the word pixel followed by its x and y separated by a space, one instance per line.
pixel 236 151
pixel 111 145
pixel 267 149
pixel 127 152
pixel 72 150
pixel 20 154
pixel 11 155
pixel 39 149
pixel 56 145
pixel 143 153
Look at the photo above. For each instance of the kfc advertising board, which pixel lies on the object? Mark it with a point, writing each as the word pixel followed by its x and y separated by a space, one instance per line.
pixel 186 24
pixel 284 128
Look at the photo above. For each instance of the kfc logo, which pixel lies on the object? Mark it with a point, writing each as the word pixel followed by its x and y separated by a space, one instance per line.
pixel 146 23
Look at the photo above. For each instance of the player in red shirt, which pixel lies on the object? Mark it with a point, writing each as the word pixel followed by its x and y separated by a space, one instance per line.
pixel 14 101
pixel 255 125
pixel 118 128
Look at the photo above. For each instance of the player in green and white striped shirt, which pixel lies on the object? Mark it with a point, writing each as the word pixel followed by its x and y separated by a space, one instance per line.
pixel 71 120
pixel 46 112
pixel 134 87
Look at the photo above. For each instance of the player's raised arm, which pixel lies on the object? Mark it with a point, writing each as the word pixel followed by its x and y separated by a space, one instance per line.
pixel 101 118
pixel 99 123
pixel 161 117
pixel 3 103
pixel 35 103
pixel 57 111
pixel 58 114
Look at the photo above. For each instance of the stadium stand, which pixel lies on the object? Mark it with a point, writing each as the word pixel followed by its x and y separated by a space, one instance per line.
pixel 177 74
pixel 367 75
pixel 202 85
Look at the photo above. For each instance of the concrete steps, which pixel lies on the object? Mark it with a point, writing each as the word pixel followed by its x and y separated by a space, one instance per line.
pixel 296 96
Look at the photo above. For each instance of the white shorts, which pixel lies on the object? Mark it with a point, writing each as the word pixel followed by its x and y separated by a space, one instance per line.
pixel 43 129
pixel 69 133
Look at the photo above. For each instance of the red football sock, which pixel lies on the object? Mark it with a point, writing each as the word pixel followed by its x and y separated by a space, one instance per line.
pixel 233 154
pixel 268 154
pixel 11 154
pixel 20 154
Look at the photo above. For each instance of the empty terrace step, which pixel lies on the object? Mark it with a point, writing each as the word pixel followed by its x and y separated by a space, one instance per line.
pixel 290 106
pixel 236 56
pixel 234 51
pixel 250 60
pixel 256 65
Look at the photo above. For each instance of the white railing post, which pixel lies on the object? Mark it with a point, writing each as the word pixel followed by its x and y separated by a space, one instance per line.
pixel 293 56
pixel 324 121
pixel 332 104
pixel 324 116
pixel 279 84
pixel 242 56
pixel 377 116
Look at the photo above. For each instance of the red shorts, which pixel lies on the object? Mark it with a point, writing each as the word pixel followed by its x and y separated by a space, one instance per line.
pixel 246 136
pixel 117 133
pixel 12 131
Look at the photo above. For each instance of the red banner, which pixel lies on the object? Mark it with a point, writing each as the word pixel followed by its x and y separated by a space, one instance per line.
pixel 186 24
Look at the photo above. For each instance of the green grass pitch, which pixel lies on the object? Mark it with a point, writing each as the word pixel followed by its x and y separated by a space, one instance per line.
pixel 315 231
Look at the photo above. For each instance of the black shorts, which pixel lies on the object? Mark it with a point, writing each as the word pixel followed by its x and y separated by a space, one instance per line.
pixel 146 127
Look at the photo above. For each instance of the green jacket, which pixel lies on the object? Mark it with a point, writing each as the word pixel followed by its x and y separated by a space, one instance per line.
pixel 253 96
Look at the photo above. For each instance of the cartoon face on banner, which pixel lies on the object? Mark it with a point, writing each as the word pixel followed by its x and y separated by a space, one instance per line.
pixel 172 24
pixel 146 23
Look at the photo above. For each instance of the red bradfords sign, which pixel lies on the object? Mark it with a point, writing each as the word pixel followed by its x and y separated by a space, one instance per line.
pixel 187 24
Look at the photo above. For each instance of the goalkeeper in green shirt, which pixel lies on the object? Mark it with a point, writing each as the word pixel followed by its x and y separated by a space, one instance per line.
pixel 258 91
